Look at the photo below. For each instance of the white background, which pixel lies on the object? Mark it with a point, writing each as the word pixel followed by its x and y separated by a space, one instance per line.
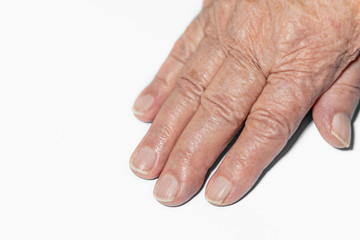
pixel 69 73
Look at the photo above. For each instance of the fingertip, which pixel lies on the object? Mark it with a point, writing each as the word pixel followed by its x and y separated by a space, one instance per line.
pixel 218 190
pixel 335 128
pixel 147 175
pixel 143 107
pixel 142 163
pixel 149 102
pixel 341 129
pixel 166 189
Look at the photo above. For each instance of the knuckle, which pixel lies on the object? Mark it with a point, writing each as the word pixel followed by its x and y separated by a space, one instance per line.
pixel 206 3
pixel 222 106
pixel 166 131
pixel 183 49
pixel 186 45
pixel 349 88
pixel 293 97
pixel 189 85
pixel 270 124
pixel 161 82
pixel 185 154
pixel 240 164
pixel 245 164
pixel 291 83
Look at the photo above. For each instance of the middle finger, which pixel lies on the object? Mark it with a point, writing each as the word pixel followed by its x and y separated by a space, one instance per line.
pixel 224 106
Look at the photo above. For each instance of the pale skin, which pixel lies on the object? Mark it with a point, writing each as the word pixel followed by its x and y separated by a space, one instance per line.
pixel 260 65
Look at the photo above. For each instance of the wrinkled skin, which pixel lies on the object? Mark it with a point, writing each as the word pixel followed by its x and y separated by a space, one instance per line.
pixel 257 64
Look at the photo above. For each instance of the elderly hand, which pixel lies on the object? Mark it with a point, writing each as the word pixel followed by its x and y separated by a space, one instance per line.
pixel 261 65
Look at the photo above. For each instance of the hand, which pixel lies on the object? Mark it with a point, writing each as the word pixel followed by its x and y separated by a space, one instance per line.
pixel 261 65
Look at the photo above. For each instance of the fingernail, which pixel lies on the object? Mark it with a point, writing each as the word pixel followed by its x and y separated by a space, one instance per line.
pixel 143 161
pixel 341 129
pixel 218 190
pixel 166 188
pixel 142 104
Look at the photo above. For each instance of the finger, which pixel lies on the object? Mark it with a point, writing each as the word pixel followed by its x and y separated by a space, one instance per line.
pixel 206 3
pixel 224 106
pixel 333 111
pixel 152 153
pixel 272 120
pixel 153 96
